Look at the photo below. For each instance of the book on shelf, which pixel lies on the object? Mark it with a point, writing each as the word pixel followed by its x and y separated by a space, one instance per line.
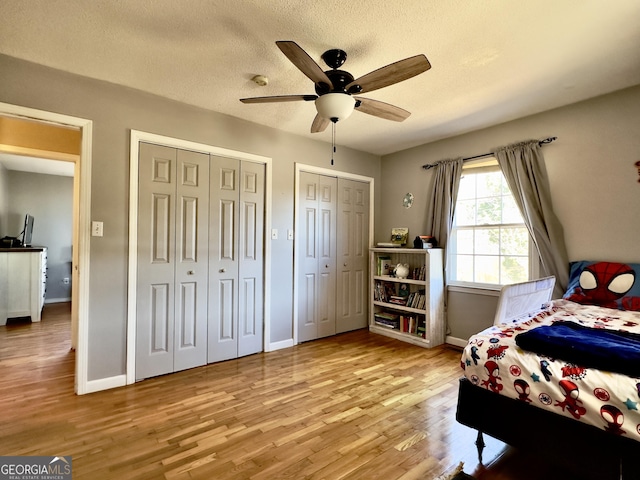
pixel 404 323
pixel 421 328
pixel 388 320
pixel 398 300
pixel 387 315
pixel 419 273
pixel 383 291
pixel 384 265
pixel 416 299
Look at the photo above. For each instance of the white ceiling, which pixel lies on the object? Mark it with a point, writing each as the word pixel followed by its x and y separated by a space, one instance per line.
pixel 36 165
pixel 492 60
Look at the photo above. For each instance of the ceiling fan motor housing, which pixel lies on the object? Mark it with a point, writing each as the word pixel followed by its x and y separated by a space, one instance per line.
pixel 339 78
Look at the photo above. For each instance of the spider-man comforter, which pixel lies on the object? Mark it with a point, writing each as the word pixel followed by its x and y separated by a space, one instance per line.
pixel 604 399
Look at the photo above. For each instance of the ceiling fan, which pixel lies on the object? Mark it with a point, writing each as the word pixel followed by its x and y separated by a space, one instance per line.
pixel 336 89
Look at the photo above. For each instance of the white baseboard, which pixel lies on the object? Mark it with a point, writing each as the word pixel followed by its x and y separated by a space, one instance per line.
pixel 57 300
pixel 104 384
pixel 458 342
pixel 279 345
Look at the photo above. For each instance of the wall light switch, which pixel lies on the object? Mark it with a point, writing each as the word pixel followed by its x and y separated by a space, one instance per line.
pixel 274 234
pixel 97 229
pixel 289 234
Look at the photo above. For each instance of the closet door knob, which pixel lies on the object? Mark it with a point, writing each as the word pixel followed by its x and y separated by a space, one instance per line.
pixel 190 272
pixel 222 270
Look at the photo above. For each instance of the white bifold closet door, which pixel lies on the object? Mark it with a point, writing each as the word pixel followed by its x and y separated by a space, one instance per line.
pixel 352 255
pixel 171 310
pixel 332 251
pixel 236 230
pixel 316 249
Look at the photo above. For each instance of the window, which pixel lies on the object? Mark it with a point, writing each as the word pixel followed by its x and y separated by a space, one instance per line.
pixel 489 242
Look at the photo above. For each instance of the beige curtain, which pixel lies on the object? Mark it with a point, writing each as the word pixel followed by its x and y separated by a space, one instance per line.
pixel 443 199
pixel 523 167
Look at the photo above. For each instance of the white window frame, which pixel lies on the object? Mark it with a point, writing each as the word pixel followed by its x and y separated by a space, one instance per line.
pixel 479 166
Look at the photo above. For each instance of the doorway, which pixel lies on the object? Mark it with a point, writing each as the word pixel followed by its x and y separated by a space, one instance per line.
pixel 81 214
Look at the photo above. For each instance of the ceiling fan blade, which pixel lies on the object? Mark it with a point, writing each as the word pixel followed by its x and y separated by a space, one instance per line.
pixel 381 109
pixel 319 124
pixel 392 73
pixel 303 61
pixel 279 98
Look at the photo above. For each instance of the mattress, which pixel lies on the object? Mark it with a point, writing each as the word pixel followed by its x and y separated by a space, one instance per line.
pixel 604 399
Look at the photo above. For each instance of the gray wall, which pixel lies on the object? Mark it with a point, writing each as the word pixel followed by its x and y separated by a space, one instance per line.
pixel 115 111
pixel 49 198
pixel 594 184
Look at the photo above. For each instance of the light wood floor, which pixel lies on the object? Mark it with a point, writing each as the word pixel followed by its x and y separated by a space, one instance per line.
pixel 354 406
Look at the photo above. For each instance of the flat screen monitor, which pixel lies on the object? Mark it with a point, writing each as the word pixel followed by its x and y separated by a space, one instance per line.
pixel 27 232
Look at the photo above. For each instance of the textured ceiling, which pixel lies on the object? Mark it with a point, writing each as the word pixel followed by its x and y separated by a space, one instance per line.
pixel 492 60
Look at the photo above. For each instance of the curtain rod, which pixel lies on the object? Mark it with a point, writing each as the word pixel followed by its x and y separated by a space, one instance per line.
pixel 541 142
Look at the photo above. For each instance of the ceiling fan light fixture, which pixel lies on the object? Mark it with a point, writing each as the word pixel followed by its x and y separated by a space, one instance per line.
pixel 335 106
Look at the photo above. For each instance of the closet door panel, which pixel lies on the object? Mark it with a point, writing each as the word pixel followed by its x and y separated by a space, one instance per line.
pixel 225 311
pixel 317 256
pixel 251 261
pixel 160 318
pixel 353 263
pixel 307 238
pixel 192 259
pixel 155 307
pixel 223 259
pixel 327 241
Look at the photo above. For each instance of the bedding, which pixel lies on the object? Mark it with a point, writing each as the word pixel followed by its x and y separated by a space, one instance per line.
pixel 605 399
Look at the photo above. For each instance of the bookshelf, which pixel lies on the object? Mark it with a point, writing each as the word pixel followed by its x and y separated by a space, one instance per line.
pixel 409 309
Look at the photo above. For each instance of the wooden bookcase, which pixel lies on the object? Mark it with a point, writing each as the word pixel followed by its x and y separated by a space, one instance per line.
pixel 420 320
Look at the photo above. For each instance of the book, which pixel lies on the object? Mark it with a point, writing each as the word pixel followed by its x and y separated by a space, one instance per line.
pixel 384 265
pixel 399 235
pixel 387 316
pixel 398 300
pixel 386 319
pixel 421 328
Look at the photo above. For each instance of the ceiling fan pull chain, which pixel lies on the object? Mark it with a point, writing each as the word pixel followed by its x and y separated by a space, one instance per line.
pixel 333 140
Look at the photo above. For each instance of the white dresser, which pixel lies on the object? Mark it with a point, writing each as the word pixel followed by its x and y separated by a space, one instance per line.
pixel 23 282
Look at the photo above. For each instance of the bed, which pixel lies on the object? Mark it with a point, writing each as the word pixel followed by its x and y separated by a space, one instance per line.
pixel 526 385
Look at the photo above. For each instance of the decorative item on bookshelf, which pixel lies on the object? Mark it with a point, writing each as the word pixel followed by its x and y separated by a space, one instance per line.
pixel 399 235
pixel 425 241
pixel 401 270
